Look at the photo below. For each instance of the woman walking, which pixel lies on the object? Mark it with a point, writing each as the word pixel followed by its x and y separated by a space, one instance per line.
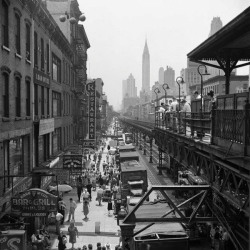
pixel 73 232
pixel 86 208
pixel 62 238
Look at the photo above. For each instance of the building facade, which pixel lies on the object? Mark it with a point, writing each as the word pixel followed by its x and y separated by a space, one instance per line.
pixel 146 69
pixel 39 72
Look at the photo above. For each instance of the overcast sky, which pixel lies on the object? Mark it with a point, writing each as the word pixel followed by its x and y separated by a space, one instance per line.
pixel 117 30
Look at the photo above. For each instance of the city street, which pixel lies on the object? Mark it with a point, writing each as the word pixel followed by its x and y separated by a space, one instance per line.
pixel 98 220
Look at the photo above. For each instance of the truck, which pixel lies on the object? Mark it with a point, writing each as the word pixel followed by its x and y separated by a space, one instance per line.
pixel 134 180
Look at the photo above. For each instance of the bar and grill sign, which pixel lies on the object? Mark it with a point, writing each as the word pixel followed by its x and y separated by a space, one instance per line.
pixel 90 87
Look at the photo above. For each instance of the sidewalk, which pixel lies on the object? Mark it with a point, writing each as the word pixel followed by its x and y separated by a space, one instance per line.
pixel 88 232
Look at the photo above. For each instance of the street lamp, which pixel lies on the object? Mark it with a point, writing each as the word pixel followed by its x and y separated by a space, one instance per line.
pixel 179 80
pixel 72 20
pixel 165 87
pixel 157 91
pixel 202 73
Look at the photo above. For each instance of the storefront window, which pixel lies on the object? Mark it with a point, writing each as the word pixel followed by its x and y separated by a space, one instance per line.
pixel 16 157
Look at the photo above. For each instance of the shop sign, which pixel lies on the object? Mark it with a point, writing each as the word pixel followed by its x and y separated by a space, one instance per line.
pixel 88 144
pixel 46 126
pixel 41 78
pixel 91 89
pixel 13 239
pixel 34 200
pixel 72 161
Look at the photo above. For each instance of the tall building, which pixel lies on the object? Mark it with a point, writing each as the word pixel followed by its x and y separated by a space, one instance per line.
pixel 128 87
pixel 146 70
pixel 161 75
pixel 216 25
pixel 169 78
pixel 129 92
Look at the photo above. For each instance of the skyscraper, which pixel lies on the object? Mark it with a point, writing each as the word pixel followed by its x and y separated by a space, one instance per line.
pixel 161 75
pixel 216 25
pixel 128 87
pixel 146 70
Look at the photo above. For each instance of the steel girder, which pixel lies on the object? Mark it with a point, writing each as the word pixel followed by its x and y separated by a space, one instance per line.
pixel 230 192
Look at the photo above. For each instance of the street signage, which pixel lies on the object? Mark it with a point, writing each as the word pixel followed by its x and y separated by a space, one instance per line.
pixel 34 200
pixel 88 144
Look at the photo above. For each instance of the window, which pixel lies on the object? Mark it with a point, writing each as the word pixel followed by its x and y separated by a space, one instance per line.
pixel 18 97
pixel 56 104
pixel 42 54
pixel 42 100
pixel 36 99
pixel 27 98
pixel 56 68
pixel 47 55
pixel 18 33
pixel 5 24
pixel 35 50
pixel 5 95
pixel 27 41
pixel 48 102
pixel 245 87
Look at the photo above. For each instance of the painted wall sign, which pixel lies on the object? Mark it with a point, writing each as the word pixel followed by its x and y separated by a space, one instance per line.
pixel 46 126
pixel 72 161
pixel 91 89
pixel 14 240
pixel 41 78
pixel 34 200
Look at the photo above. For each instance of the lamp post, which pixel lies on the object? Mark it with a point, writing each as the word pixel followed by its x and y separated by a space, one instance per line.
pixel 179 80
pixel 165 87
pixel 157 91
pixel 202 73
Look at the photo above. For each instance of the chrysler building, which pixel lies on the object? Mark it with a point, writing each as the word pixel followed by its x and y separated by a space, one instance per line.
pixel 146 70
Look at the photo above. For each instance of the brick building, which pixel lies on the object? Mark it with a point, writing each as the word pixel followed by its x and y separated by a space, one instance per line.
pixel 43 76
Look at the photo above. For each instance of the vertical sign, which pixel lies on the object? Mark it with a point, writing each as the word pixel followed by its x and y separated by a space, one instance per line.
pixel 92 109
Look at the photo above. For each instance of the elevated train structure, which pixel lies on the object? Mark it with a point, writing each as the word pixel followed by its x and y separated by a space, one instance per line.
pixel 215 146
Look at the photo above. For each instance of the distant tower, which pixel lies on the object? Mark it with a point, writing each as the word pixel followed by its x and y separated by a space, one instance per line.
pixel 216 25
pixel 161 75
pixel 146 69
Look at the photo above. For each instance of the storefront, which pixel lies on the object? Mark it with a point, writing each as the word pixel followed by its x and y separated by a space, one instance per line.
pixel 34 204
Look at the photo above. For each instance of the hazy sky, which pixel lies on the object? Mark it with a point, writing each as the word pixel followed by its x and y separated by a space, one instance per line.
pixel 117 30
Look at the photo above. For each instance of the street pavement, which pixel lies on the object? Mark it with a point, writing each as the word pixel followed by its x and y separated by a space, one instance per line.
pixel 100 227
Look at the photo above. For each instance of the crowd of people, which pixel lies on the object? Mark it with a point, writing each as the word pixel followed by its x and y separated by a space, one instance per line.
pixel 91 179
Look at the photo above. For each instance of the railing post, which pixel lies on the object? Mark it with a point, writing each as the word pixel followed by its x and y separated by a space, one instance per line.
pixel 160 161
pixel 246 128
pixel 151 151
pixel 213 113
pixel 144 145
pixel 140 146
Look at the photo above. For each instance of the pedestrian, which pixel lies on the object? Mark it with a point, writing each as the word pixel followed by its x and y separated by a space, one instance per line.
pixel 108 247
pixel 86 208
pixel 72 208
pixel 217 238
pixel 61 209
pixel 90 247
pixel 59 217
pixel 89 188
pixel 85 195
pixel 62 240
pixel 79 187
pixel 73 233
pixel 110 206
pixel 99 195
pixel 84 247
pixel 101 181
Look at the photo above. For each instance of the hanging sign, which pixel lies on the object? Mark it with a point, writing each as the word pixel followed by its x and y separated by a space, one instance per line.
pixel 90 87
pixel 34 202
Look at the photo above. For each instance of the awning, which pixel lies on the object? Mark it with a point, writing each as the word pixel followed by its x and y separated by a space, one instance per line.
pixel 232 40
